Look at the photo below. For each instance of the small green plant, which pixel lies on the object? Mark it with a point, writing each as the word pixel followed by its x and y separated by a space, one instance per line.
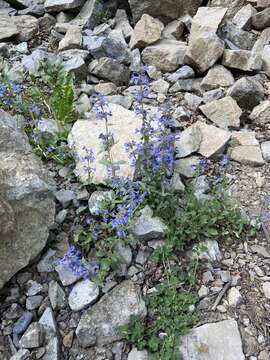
pixel 102 16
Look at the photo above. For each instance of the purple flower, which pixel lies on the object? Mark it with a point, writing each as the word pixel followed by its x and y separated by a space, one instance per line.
pixel 73 261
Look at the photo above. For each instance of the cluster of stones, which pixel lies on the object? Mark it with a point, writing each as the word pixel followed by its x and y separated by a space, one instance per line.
pixel 212 63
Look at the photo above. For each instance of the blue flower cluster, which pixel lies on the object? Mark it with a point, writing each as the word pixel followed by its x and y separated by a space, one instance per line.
pixel 9 94
pixel 73 261
pixel 88 158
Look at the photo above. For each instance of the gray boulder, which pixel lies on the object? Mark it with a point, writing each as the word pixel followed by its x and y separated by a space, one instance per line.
pixel 110 69
pixel 100 324
pixel 166 10
pixel 62 5
pixel 26 201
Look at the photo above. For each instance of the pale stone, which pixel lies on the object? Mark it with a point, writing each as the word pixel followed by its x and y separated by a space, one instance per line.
pixel 138 355
pixel 224 112
pixel 85 133
pixel 8 27
pixel 234 297
pixel 216 77
pixel 266 150
pixel 214 341
pixel 187 166
pixel 88 15
pixel 189 141
pixel 213 139
pixel 84 293
pixel 165 55
pixel 147 31
pixel 237 59
pixel 266 289
pixel 28 27
pixel 174 30
pixel 242 18
pixel 72 39
pixel 204 51
pixel 62 5
pixel 248 155
pixel 261 113
pixel 245 138
pixel 261 20
pixel 265 54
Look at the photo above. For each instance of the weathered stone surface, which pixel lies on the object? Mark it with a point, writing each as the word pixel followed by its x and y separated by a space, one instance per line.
pixel 48 323
pixel 265 146
pixel 224 112
pixel 22 354
pixel 261 113
pixel 28 27
pixel 220 341
pixel 234 297
pixel 232 6
pixel 122 23
pixel 193 101
pixel 147 227
pixel 261 20
pixel 67 277
pixel 243 17
pixel 111 70
pixel 249 155
pixel 165 9
pixel 245 138
pixel 62 5
pixel 185 72
pixel 26 200
pixel 84 293
pixel 213 139
pixel 237 38
pixel 174 30
pixel 260 61
pixel 86 133
pixel 186 166
pixel 204 51
pixel 72 39
pixel 33 337
pixel 88 16
pixel 248 92
pixel 57 295
pixel 160 86
pixel 165 55
pixel 138 355
pixel 100 324
pixel 189 141
pixel 8 27
pixel 147 31
pixel 238 59
pixel 266 289
pixel 216 77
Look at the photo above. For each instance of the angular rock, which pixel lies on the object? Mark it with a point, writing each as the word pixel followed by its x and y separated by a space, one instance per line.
pixel 122 23
pixel 85 133
pixel 22 323
pixel 165 55
pixel 33 302
pixel 62 5
pixel 57 295
pixel 160 86
pixel 248 92
pixel 138 355
pixel 265 146
pixel 248 155
pixel 216 77
pixel 213 140
pixel 220 341
pixel 8 27
pixel 188 142
pixel 213 95
pixel 191 85
pixel 186 166
pixel 26 198
pixel 174 30
pixel 48 323
pixel 261 113
pixel 241 39
pixel 147 227
pixel 28 27
pixel 261 20
pixel 72 39
pixel 77 66
pixel 88 16
pixel 185 72
pixel 234 297
pixel 193 101
pixel 48 262
pixel 238 59
pixel 232 5
pixel 204 51
pixel 207 19
pixel 224 112
pixel 84 293
pixel 147 31
pixel 266 289
pixel 66 276
pixel 22 354
pixel 33 337
pixel 96 199
pixel 242 19
pixel 166 10
pixel 100 324
pixel 111 70
pixel 245 138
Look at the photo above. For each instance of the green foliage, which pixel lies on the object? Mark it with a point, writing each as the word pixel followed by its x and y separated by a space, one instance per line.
pixel 102 16
pixel 169 317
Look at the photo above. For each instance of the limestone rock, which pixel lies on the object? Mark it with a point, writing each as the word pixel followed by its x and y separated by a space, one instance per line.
pixel 62 5
pixel 248 155
pixel 232 6
pixel 165 55
pixel 220 341
pixel 25 196
pixel 261 20
pixel 224 112
pixel 238 59
pixel 100 324
pixel 266 150
pixel 147 227
pixel 122 23
pixel 174 30
pixel 213 139
pixel 88 16
pixel 188 142
pixel 147 31
pixel 28 27
pixel 216 77
pixel 86 133
pixel 204 51
pixel 243 17
pixel 111 70
pixel 261 113
pixel 72 39
pixel 247 91
pixel 8 27
pixel 167 10
pixel 33 337
pixel 245 138
pixel 84 293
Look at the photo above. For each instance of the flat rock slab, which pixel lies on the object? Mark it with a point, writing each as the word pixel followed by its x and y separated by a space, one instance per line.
pixel 8 28
pixel 122 124
pixel 100 324
pixel 216 341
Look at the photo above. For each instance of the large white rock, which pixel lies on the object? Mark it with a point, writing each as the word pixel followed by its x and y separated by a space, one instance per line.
pixel 85 133
pixel 215 341
pixel 84 293
pixel 165 55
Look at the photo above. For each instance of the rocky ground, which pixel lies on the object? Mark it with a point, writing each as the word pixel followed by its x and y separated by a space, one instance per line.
pixel 211 61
